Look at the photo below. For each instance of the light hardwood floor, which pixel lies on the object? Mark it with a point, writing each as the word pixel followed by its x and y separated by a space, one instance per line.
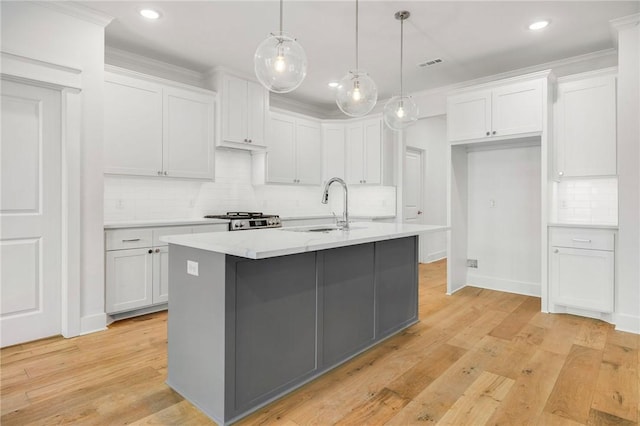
pixel 477 357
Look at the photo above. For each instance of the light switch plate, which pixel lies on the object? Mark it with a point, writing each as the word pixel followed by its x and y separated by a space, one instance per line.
pixel 192 268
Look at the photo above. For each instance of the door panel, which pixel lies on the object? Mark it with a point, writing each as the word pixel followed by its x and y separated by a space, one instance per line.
pixel 281 152
pixel 129 279
pixel 308 153
pixel 355 154
pixel 373 151
pixel 161 275
pixel 30 213
pixel 412 186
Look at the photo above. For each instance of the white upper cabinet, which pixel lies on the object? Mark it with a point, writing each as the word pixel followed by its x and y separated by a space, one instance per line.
pixel 132 126
pixel 155 129
pixel 333 137
pixel 294 152
pixel 495 112
pixel 188 134
pixel 243 112
pixel 364 152
pixel 586 127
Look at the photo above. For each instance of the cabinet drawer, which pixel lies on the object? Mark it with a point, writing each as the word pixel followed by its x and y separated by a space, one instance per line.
pixel 169 230
pixel 128 238
pixel 595 239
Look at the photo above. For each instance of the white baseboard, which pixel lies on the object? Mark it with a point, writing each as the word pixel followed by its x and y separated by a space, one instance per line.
pixel 628 323
pixel 438 255
pixel 93 323
pixel 500 284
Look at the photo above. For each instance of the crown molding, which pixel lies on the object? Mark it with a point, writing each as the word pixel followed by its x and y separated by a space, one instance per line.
pixel 623 23
pixel 145 65
pixel 287 103
pixel 77 10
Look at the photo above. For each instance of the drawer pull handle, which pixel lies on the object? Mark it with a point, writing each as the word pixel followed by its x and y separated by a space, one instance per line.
pixel 132 240
pixel 556 251
pixel 581 240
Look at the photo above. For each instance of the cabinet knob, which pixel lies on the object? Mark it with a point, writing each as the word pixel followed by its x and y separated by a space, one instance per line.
pixel 494 132
pixel 150 250
pixel 488 133
pixel 560 173
pixel 159 172
pixel 165 173
pixel 249 140
pixel 556 251
pixel 157 250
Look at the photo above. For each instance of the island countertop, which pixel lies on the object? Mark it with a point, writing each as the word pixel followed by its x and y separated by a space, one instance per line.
pixel 265 243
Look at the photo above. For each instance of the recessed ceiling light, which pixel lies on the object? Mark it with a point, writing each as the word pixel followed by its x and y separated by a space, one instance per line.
pixel 150 13
pixel 334 84
pixel 538 25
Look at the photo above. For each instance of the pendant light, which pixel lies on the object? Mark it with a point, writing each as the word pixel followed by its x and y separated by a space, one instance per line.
pixel 280 62
pixel 400 111
pixel 357 93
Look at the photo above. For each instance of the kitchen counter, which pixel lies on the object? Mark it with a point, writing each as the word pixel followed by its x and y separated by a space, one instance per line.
pixel 256 314
pixel 161 222
pixel 582 225
pixel 265 243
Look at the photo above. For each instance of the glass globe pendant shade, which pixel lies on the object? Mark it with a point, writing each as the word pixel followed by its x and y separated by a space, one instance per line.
pixel 356 94
pixel 400 112
pixel 280 63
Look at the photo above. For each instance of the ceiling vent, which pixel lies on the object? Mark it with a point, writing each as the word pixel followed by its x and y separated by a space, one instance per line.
pixel 430 62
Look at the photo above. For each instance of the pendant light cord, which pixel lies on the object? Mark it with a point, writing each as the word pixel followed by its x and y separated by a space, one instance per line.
pixel 401 53
pixel 357 68
pixel 281 1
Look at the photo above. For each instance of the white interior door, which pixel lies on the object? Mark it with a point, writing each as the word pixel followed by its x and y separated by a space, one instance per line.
pixel 412 196
pixel 30 212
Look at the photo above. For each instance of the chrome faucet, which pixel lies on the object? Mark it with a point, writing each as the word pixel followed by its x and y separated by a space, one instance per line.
pixel 344 223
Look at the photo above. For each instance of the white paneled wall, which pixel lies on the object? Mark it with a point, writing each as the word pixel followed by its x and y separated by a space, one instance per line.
pixel 138 198
pixel 588 201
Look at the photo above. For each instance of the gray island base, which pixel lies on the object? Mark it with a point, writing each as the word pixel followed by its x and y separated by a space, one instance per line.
pixel 244 332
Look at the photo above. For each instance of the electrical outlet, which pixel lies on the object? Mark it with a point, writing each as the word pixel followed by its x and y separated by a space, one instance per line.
pixel 119 204
pixel 472 263
pixel 192 268
pixel 492 203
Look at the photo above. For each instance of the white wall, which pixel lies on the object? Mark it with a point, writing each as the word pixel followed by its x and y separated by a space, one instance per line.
pixel 628 250
pixel 504 219
pixel 587 201
pixel 47 34
pixel 430 135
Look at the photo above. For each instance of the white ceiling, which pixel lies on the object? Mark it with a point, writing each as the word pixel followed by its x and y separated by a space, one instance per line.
pixel 474 38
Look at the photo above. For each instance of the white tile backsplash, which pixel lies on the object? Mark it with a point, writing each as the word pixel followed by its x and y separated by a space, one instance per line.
pixel 588 201
pixel 141 198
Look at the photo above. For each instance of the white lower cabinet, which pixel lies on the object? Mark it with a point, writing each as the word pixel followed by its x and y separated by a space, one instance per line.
pixel 581 269
pixel 138 278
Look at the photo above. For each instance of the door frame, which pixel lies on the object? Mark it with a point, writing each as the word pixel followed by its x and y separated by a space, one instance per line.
pixel 68 81
pixel 421 152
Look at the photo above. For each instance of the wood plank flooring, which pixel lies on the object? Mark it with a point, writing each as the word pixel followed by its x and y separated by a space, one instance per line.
pixel 477 357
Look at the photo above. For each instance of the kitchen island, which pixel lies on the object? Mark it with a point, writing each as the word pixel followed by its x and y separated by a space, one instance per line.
pixel 255 314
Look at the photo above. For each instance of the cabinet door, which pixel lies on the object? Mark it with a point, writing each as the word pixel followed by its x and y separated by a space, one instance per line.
pixel 586 139
pixel 372 151
pixel 333 145
pixel 275 316
pixel 188 134
pixel 132 126
pixel 129 279
pixel 517 108
pixel 234 109
pixel 347 293
pixel 582 278
pixel 469 116
pixel 396 284
pixel 257 107
pixel 281 167
pixel 355 154
pixel 308 152
pixel 161 275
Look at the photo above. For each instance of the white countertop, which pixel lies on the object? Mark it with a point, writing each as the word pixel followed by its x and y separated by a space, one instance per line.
pixel 162 222
pixel 264 243
pixel 582 225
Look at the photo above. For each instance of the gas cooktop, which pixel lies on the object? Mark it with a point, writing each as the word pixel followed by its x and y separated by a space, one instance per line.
pixel 239 221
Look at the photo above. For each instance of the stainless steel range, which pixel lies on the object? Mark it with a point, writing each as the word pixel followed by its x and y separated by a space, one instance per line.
pixel 239 221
